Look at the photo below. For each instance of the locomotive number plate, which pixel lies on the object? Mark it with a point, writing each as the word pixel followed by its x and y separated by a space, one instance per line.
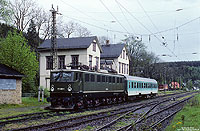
pixel 61 89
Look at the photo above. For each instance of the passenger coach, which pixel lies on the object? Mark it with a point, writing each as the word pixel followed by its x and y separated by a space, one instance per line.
pixel 138 86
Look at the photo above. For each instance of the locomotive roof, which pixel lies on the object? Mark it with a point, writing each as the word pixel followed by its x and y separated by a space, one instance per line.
pixel 75 70
pixel 135 78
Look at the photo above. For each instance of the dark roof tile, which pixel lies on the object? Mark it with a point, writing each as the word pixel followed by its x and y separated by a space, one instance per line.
pixel 112 50
pixel 70 43
pixel 8 71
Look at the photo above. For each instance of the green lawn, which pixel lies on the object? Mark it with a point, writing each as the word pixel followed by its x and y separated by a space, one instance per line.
pixel 188 118
pixel 29 105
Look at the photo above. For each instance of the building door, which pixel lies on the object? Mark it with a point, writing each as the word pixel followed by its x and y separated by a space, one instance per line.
pixel 48 83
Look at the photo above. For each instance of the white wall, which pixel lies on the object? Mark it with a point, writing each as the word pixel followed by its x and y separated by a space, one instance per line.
pixel 83 58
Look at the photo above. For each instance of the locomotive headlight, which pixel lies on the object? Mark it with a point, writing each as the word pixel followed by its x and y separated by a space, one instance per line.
pixel 69 87
pixel 52 87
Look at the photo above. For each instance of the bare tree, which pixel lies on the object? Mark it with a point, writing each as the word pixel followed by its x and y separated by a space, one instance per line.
pixel 5 12
pixel 43 23
pixel 102 40
pixel 69 28
pixel 24 12
pixel 82 31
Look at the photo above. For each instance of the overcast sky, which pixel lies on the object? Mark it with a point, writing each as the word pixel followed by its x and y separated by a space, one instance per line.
pixel 141 18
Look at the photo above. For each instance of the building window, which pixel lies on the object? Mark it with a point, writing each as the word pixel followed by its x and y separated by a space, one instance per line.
pixel 119 67
pixel 97 62
pixel 61 62
pixel 122 68
pixel 75 61
pixel 127 69
pixel 90 61
pixel 94 47
pixel 49 62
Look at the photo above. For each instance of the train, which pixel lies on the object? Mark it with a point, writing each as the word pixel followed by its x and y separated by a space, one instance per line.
pixel 74 89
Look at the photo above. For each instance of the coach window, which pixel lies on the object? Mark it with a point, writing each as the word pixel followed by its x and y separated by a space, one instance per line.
pixel 144 85
pixel 92 78
pixel 103 79
pixel 129 84
pixel 98 78
pixel 132 84
pixel 86 77
pixel 135 86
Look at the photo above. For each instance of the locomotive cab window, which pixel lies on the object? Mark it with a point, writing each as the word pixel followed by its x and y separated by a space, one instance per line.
pixel 61 76
pixel 76 76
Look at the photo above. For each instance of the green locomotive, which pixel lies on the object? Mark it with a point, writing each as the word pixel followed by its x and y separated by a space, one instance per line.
pixel 70 89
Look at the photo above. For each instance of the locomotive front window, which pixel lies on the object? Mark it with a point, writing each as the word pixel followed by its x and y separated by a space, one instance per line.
pixel 61 76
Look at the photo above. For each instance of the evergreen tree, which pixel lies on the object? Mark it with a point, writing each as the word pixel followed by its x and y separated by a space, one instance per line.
pixel 32 36
pixel 16 54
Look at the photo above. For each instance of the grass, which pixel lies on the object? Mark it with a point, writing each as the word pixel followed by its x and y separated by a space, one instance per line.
pixel 188 118
pixel 29 105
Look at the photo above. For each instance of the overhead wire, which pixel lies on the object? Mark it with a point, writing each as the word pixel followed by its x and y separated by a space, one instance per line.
pixel 147 29
pixel 125 17
pixel 114 16
pixel 149 17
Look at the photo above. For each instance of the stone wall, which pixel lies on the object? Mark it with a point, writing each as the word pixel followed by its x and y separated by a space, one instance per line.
pixel 12 96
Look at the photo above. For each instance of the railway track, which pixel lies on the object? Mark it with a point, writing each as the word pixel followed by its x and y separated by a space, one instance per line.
pixel 41 115
pixel 70 122
pixel 154 119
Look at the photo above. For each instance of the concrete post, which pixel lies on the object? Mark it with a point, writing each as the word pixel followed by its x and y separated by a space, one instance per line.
pixel 39 94
pixel 42 94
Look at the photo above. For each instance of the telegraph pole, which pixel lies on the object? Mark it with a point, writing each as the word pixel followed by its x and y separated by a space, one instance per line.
pixel 53 38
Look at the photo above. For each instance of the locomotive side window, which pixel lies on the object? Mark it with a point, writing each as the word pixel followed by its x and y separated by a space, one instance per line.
pixel 117 79
pixel 113 79
pixel 86 77
pixel 109 79
pixel 92 78
pixel 103 79
pixel 106 78
pixel 98 78
pixel 120 80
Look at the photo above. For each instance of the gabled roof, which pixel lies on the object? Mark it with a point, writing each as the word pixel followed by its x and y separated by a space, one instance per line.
pixel 9 72
pixel 112 50
pixel 70 43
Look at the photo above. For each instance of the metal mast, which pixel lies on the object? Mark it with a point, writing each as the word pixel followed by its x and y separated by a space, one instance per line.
pixel 53 38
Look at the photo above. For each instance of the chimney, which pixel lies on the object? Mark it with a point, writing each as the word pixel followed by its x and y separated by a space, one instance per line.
pixel 107 42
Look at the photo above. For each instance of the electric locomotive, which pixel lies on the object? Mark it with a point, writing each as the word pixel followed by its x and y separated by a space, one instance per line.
pixel 71 89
